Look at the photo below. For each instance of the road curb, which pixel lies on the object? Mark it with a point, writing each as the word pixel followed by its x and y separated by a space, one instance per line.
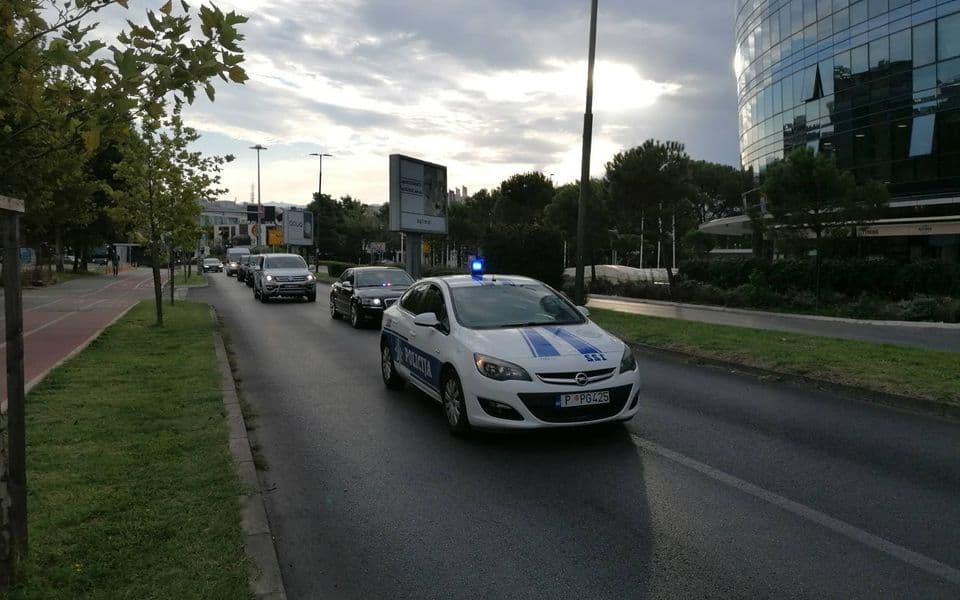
pixel 263 567
pixel 848 392
pixel 766 313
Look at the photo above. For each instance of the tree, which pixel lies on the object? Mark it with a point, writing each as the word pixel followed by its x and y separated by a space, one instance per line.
pixel 161 185
pixel 650 190
pixel 718 190
pixel 522 200
pixel 63 93
pixel 807 193
pixel 562 214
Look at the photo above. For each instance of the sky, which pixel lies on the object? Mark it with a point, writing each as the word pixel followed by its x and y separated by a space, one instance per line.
pixel 488 88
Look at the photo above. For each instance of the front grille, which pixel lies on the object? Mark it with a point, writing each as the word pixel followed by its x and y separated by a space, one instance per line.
pixel 290 278
pixel 544 407
pixel 389 302
pixel 570 377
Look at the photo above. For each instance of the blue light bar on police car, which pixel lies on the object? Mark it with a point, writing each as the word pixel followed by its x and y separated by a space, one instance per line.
pixel 477 267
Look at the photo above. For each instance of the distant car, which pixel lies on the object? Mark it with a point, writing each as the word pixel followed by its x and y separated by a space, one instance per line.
pixel 363 293
pixel 233 260
pixel 100 260
pixel 212 265
pixel 283 276
pixel 507 353
pixel 243 267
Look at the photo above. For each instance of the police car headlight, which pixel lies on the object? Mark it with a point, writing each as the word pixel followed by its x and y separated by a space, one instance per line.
pixel 500 370
pixel 372 301
pixel 310 277
pixel 269 278
pixel 628 362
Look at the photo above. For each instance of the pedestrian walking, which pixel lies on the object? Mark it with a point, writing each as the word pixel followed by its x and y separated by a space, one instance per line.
pixel 115 260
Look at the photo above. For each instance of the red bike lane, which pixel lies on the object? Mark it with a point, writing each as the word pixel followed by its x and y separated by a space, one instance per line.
pixel 61 320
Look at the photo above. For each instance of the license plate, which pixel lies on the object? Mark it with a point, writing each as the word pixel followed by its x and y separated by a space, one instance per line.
pixel 583 399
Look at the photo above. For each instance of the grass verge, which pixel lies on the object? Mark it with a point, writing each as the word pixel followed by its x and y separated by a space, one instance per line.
pixel 195 279
pixel 912 372
pixel 133 492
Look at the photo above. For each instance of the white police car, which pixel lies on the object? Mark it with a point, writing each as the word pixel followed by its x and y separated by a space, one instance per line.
pixel 506 352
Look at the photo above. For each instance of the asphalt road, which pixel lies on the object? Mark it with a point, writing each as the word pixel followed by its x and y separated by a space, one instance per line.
pixel 722 487
pixel 931 336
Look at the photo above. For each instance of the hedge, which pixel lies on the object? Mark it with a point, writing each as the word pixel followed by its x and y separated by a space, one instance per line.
pixel 336 268
pixel 535 253
pixel 851 277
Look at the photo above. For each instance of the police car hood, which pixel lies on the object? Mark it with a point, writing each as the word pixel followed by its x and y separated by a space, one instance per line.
pixel 585 342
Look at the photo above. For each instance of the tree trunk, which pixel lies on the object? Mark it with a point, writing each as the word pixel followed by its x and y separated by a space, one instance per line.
pixel 58 240
pixel 173 273
pixel 84 259
pixel 157 289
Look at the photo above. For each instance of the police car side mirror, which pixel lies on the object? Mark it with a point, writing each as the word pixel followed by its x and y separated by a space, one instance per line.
pixel 427 320
pixel 584 311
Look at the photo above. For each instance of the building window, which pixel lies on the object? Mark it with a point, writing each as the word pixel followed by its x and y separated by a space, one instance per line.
pixel 879 53
pixel 859 60
pixel 924 44
pixel 948 36
pixel 858 12
pixel 878 7
pixel 900 46
pixel 921 138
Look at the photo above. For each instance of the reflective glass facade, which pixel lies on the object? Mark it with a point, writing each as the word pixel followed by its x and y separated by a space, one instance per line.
pixel 876 82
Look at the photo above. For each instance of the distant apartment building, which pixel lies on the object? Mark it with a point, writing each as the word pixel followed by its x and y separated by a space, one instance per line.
pixel 458 195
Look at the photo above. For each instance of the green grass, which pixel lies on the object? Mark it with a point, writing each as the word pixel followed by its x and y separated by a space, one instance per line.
pixel 194 279
pixel 324 278
pixel 911 372
pixel 133 492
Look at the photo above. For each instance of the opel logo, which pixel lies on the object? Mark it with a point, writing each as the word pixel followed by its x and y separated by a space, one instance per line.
pixel 582 379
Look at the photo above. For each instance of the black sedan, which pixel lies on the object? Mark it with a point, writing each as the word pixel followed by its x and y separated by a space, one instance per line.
pixel 362 293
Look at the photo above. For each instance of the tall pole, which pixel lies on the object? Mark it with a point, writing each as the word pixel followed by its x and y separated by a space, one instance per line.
pixel 579 292
pixel 316 244
pixel 258 148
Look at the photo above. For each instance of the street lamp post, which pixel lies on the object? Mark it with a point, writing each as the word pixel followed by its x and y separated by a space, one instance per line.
pixel 258 148
pixel 579 293
pixel 320 155
pixel 316 246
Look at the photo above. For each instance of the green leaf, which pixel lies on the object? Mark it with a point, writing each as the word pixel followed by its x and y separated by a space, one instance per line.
pixel 237 75
pixel 167 8
pixel 211 92
pixel 91 140
pixel 123 3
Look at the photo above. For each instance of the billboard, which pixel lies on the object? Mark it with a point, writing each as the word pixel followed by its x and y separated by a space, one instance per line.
pixel 298 227
pixel 418 196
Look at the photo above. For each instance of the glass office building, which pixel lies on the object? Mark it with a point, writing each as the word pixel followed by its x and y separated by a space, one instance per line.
pixel 874 82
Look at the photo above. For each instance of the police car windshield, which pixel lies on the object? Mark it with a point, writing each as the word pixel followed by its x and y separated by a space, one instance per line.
pixel 383 278
pixel 284 262
pixel 498 306
pixel 211 261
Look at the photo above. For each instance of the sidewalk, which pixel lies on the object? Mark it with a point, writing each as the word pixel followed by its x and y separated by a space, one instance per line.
pixel 932 336
pixel 61 320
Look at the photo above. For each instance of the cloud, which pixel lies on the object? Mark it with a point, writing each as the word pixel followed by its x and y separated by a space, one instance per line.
pixel 487 88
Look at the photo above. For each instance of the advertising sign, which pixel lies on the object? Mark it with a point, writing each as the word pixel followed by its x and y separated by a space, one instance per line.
pixel 380 247
pixel 418 196
pixel 274 237
pixel 298 227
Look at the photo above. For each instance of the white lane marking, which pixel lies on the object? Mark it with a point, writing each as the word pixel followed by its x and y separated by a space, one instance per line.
pixel 924 563
pixel 57 320
pixel 109 285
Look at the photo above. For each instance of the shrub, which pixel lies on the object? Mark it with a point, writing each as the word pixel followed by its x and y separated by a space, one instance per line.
pixel 919 308
pixel 851 277
pixel 336 268
pixel 533 252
